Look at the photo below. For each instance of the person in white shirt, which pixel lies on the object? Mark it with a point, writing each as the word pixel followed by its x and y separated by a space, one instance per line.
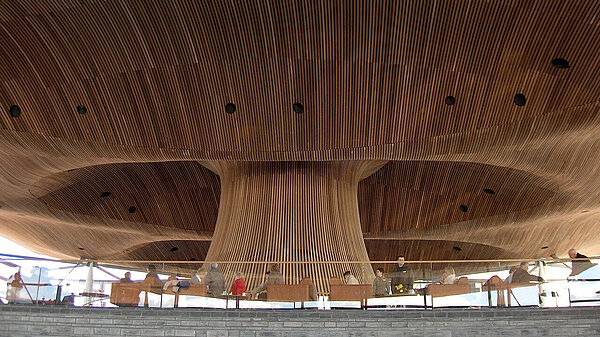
pixel 350 279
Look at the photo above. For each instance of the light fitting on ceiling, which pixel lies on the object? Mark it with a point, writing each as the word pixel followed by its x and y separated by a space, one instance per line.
pixel 520 99
pixel 229 108
pixel 560 63
pixel 14 111
pixel 450 100
pixel 298 108
pixel 81 109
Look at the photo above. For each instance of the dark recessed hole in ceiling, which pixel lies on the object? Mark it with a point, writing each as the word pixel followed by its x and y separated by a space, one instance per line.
pixel 14 111
pixel 80 248
pixel 463 208
pixel 488 191
pixel 71 170
pixel 81 109
pixel 520 99
pixel 298 108
pixel 545 247
pixel 105 194
pixel 450 100
pixel 560 63
pixel 132 209
pixel 458 249
pixel 193 259
pixel 174 249
pixel 229 108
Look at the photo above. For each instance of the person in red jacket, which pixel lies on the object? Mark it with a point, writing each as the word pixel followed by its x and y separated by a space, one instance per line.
pixel 238 287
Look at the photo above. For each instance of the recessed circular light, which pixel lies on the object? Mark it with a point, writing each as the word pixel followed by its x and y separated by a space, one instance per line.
pixel 174 249
pixel 463 208
pixel 131 209
pixel 488 191
pixel 450 100
pixel 193 259
pixel 545 247
pixel 105 194
pixel 80 248
pixel 81 109
pixel 458 249
pixel 298 108
pixel 560 63
pixel 71 170
pixel 520 99
pixel 14 111
pixel 229 108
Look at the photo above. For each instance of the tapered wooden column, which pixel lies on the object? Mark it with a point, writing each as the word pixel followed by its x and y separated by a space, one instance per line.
pixel 291 211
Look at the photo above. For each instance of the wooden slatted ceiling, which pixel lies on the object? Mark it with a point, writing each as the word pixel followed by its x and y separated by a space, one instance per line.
pixel 160 74
pixel 372 77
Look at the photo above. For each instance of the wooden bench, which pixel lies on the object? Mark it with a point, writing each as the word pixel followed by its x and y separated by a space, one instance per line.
pixel 460 287
pixel 288 292
pixel 495 283
pixel 128 294
pixel 349 292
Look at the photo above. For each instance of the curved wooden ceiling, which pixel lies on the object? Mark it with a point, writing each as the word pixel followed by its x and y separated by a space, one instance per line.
pixel 372 77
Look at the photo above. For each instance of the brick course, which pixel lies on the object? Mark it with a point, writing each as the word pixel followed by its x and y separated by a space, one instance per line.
pixel 29 320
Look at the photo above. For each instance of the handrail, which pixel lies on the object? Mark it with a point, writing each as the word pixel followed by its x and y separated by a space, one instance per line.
pixel 297 262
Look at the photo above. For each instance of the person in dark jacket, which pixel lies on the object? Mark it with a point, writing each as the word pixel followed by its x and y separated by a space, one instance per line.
pixel 579 266
pixel 214 280
pixel 402 279
pixel 521 275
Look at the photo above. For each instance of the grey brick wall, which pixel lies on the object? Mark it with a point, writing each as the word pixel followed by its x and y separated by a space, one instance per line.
pixel 24 320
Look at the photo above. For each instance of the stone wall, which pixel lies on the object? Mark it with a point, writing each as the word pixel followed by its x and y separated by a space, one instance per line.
pixel 27 320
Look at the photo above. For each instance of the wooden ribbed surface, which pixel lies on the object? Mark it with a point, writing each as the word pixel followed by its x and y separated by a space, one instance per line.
pixel 372 78
pixel 291 211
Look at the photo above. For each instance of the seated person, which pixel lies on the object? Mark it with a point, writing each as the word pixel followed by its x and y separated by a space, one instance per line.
pixel 215 281
pixel 448 277
pixel 312 289
pixel 521 275
pixel 381 285
pixel 238 287
pixel 511 272
pixel 198 276
pixel 152 277
pixel 172 281
pixel 126 279
pixel 349 278
pixel 274 276
pixel 579 266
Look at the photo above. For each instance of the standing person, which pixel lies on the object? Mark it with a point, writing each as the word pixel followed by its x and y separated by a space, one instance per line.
pixel 15 288
pixel 152 276
pixel 578 266
pixel 521 275
pixel 349 278
pixel 215 281
pixel 448 277
pixel 274 276
pixel 238 287
pixel 381 286
pixel 402 281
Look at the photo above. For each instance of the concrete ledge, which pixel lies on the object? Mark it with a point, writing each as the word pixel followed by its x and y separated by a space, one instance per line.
pixel 29 320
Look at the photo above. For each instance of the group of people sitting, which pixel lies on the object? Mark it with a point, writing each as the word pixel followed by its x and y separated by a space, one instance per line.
pixel 401 282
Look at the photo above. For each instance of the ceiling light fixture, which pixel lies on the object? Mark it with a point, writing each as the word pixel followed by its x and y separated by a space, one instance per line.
pixel 298 108
pixel 132 209
pixel 488 191
pixel 520 99
pixel 229 108
pixel 560 63
pixel 463 208
pixel 450 100
pixel 14 111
